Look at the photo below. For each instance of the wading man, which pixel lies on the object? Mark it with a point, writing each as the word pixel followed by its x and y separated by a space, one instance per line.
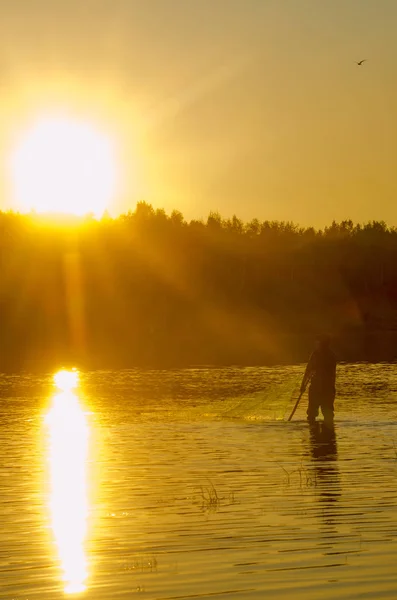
pixel 321 372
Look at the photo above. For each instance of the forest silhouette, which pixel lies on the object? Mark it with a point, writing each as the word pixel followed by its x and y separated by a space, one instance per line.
pixel 153 290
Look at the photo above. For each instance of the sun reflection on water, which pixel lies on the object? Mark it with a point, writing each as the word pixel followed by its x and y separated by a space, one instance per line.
pixel 67 455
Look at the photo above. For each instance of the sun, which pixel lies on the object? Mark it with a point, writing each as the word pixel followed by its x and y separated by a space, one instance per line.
pixel 61 165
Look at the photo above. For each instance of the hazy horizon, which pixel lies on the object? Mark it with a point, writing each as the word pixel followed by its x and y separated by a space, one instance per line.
pixel 248 107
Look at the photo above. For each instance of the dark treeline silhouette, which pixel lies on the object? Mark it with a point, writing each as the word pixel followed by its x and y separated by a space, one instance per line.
pixel 148 289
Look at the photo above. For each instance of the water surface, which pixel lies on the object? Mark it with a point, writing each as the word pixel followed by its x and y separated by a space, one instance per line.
pixel 189 484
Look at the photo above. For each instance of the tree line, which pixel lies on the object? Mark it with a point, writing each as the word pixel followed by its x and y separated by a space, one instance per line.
pixel 152 289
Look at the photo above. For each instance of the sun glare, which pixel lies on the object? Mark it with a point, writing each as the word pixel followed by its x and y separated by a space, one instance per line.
pixel 68 502
pixel 66 380
pixel 65 166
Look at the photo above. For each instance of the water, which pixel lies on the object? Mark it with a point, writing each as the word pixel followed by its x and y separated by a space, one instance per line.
pixel 188 484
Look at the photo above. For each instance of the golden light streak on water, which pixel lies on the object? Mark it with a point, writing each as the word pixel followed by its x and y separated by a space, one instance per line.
pixel 67 457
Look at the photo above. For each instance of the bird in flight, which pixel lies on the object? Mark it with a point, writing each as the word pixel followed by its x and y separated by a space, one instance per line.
pixel 360 62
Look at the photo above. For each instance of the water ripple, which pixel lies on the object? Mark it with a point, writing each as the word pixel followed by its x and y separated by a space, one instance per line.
pixel 197 488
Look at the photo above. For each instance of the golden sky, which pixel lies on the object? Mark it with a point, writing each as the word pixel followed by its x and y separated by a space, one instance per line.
pixel 254 107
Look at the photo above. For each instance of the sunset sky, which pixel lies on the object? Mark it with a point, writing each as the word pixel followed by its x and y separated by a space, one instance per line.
pixel 253 107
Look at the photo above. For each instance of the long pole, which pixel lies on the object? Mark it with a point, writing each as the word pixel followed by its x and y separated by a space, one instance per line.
pixel 296 404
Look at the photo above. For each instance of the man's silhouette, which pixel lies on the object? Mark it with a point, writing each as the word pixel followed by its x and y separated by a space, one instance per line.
pixel 321 372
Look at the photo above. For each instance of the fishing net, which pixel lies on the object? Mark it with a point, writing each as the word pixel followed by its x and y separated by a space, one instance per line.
pixel 274 402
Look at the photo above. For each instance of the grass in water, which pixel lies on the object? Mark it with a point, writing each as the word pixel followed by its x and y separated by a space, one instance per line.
pixel 210 500
pixel 306 477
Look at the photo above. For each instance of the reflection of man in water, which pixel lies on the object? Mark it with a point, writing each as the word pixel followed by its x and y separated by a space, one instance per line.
pixel 321 372
pixel 323 443
pixel 324 452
